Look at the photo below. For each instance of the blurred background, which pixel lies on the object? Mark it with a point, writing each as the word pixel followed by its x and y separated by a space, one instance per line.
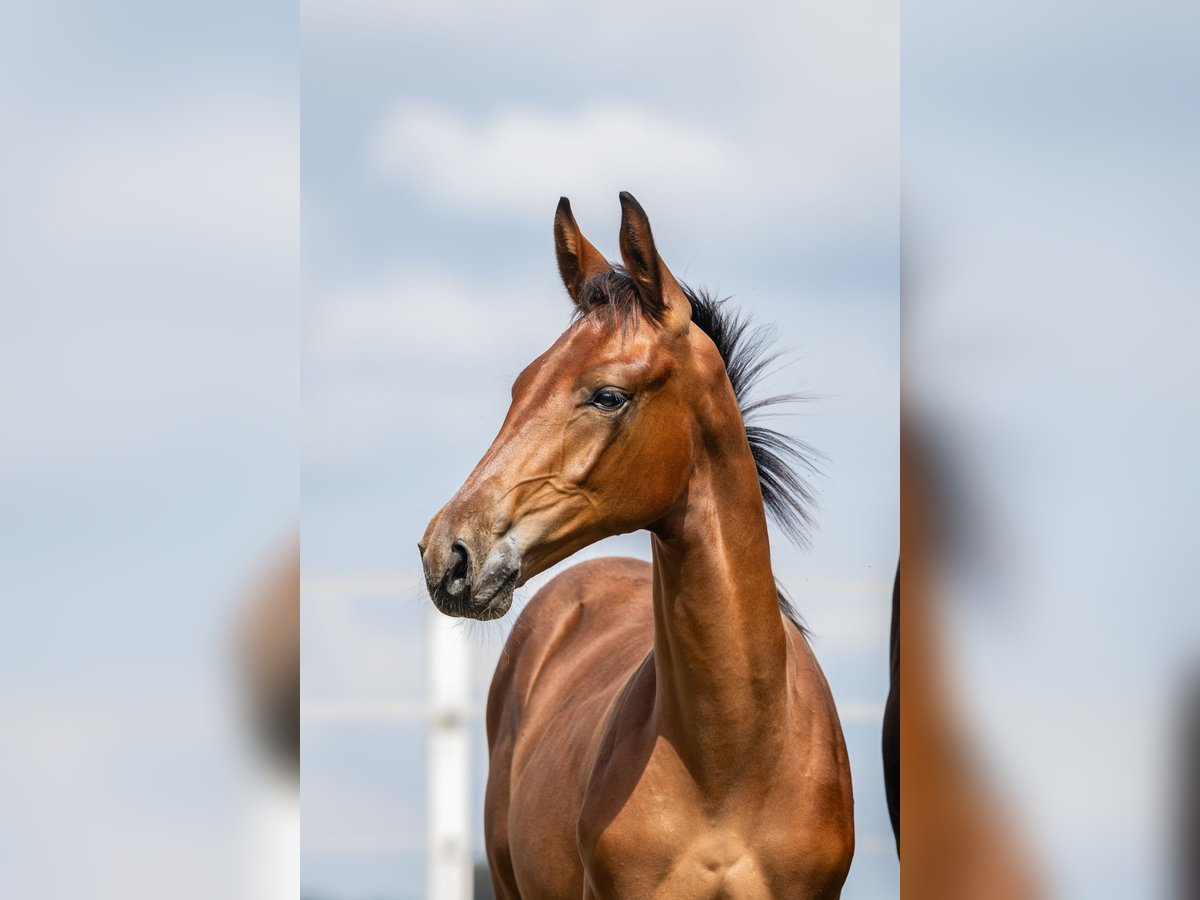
pixel 149 261
pixel 1050 185
pixel 436 140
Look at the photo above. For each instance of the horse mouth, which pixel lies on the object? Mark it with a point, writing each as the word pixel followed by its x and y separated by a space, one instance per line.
pixel 472 577
pixel 498 600
pixel 492 602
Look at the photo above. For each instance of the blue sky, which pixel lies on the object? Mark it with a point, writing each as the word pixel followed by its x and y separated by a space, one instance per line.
pixel 436 141
pixel 149 262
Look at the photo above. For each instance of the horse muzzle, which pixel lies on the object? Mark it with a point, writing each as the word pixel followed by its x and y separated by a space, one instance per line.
pixel 468 578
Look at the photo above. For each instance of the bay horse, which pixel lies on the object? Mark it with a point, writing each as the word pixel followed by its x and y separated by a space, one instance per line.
pixel 654 730
pixel 961 843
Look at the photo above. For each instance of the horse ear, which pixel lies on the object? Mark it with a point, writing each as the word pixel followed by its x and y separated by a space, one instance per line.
pixel 661 296
pixel 578 260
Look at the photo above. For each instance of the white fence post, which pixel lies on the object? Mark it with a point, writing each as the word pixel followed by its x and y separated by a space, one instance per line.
pixel 449 873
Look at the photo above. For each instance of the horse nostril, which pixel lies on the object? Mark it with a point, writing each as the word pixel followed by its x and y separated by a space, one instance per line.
pixel 456 575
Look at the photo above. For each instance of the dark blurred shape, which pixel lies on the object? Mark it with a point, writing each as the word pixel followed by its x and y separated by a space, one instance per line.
pixel 961 844
pixel 483 882
pixel 891 721
pixel 270 660
pixel 1188 850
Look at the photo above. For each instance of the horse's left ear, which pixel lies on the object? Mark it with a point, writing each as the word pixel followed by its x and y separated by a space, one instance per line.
pixel 578 260
pixel 661 296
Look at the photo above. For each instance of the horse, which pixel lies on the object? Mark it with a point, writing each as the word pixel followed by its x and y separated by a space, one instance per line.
pixel 962 843
pixel 654 729
pixel 268 655
pixel 890 732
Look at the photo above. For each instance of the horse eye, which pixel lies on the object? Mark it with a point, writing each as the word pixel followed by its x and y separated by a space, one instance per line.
pixel 608 399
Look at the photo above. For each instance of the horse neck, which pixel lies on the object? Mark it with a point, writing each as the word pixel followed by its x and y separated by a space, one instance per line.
pixel 720 649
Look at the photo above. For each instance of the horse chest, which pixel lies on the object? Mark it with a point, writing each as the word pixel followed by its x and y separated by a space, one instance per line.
pixel 657 834
pixel 651 837
pixel 674 855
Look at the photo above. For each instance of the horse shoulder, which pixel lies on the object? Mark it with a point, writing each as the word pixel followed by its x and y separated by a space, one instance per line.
pixel 573 647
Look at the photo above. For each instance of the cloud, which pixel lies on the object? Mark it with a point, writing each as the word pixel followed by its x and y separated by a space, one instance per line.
pixel 149 231
pixel 510 161
pixel 420 315
pixel 367 14
pixel 780 122
pixel 371 347
pixel 221 170
pixel 364 647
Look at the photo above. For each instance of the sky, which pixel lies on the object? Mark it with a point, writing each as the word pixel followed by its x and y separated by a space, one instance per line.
pixel 436 140
pixel 149 262
pixel 1049 350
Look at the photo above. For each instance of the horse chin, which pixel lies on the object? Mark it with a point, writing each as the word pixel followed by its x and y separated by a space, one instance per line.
pixel 493 608
pixel 497 595
pixel 497 607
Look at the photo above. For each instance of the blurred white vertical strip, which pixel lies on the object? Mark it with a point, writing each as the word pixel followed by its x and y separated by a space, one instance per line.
pixel 449 872
pixel 274 838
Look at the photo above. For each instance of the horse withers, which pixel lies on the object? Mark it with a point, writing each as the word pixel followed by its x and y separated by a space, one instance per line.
pixel 655 729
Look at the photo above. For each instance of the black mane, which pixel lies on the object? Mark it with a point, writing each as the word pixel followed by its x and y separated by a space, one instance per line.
pixel 785 463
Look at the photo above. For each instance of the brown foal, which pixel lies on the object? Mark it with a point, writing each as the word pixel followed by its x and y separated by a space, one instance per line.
pixel 655 730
